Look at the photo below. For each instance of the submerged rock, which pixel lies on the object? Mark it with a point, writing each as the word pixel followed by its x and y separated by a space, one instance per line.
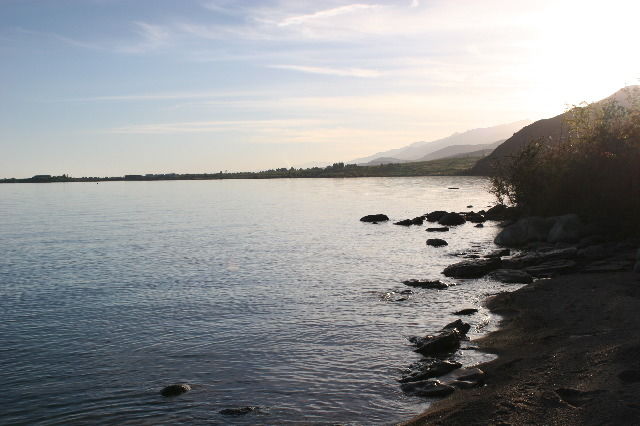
pixel 475 218
pixel 479 225
pixel 428 368
pixel 374 218
pixel 435 284
pixel 511 276
pixel 175 389
pixel 451 219
pixel 239 411
pixel 436 242
pixel 472 268
pixel 499 253
pixel 441 229
pixel 467 311
pixel 405 222
pixel 427 388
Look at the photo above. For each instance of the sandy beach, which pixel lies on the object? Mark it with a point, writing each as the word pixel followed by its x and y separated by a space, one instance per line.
pixel 568 354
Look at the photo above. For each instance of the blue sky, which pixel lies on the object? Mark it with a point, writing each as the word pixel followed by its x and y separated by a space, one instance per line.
pixel 108 87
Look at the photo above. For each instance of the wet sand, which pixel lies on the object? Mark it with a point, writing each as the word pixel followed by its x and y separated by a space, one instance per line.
pixel 568 354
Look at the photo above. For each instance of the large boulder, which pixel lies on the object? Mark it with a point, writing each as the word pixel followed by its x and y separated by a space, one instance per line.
pixel 435 216
pixel 472 268
pixel 436 242
pixel 511 276
pixel 451 219
pixel 566 229
pixel 551 268
pixel 533 228
pixel 444 343
pixel 501 212
pixel 374 218
pixel 458 325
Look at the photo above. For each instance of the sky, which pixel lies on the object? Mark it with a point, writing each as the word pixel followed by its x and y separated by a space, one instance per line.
pixel 113 87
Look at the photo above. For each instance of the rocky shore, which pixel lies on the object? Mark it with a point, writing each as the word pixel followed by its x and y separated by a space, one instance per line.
pixel 568 349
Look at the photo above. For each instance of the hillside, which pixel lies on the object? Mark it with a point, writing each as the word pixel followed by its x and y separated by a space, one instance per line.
pixel 476 150
pixel 418 150
pixel 549 129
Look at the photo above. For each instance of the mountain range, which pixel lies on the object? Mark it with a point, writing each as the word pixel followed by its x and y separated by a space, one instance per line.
pixel 475 140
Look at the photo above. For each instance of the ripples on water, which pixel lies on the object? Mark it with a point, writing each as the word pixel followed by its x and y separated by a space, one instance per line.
pixel 267 293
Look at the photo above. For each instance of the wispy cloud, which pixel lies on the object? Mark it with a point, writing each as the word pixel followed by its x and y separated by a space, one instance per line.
pixel 214 126
pixel 323 14
pixel 344 72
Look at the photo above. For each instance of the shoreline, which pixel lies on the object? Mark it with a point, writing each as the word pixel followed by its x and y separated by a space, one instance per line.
pixel 568 353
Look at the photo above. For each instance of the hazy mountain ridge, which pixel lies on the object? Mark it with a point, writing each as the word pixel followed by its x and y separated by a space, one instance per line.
pixel 418 150
pixel 549 129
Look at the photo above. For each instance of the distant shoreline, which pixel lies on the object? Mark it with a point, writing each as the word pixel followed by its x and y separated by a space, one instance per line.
pixel 444 167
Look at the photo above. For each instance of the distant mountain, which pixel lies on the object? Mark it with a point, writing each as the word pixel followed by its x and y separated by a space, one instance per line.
pixel 385 160
pixel 418 150
pixel 455 151
pixel 549 129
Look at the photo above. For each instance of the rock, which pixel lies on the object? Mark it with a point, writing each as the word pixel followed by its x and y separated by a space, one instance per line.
pixel 499 253
pixel 469 207
pixel 239 411
pixel 472 374
pixel 428 368
pixel 427 388
pixel 453 187
pixel 609 265
pixel 175 390
pixel 599 251
pixel 466 311
pixel 536 258
pixel 442 229
pixel 475 218
pixel 551 268
pixel 407 291
pixel 436 242
pixel 435 284
pixel 459 326
pixel 417 220
pixel 479 225
pixel 405 222
pixel 435 216
pixel 568 229
pixel 374 218
pixel 451 219
pixel 444 343
pixel 463 384
pixel 501 212
pixel 511 276
pixel 533 228
pixel 630 376
pixel 472 268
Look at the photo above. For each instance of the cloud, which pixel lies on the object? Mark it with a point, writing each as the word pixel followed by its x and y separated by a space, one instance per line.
pixel 344 72
pixel 323 14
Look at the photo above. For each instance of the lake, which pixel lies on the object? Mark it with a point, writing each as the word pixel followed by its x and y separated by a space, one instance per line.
pixel 265 293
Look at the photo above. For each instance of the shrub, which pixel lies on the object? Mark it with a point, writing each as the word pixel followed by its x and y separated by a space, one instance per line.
pixel 593 170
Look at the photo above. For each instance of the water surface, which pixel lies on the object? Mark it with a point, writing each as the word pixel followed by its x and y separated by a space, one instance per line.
pixel 257 292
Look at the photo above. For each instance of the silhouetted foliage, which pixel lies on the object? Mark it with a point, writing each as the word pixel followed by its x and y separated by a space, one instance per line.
pixel 594 170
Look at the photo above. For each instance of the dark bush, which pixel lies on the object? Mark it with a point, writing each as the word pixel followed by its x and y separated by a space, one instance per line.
pixel 594 170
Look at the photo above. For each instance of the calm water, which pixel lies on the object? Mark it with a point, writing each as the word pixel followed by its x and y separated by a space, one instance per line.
pixel 267 293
